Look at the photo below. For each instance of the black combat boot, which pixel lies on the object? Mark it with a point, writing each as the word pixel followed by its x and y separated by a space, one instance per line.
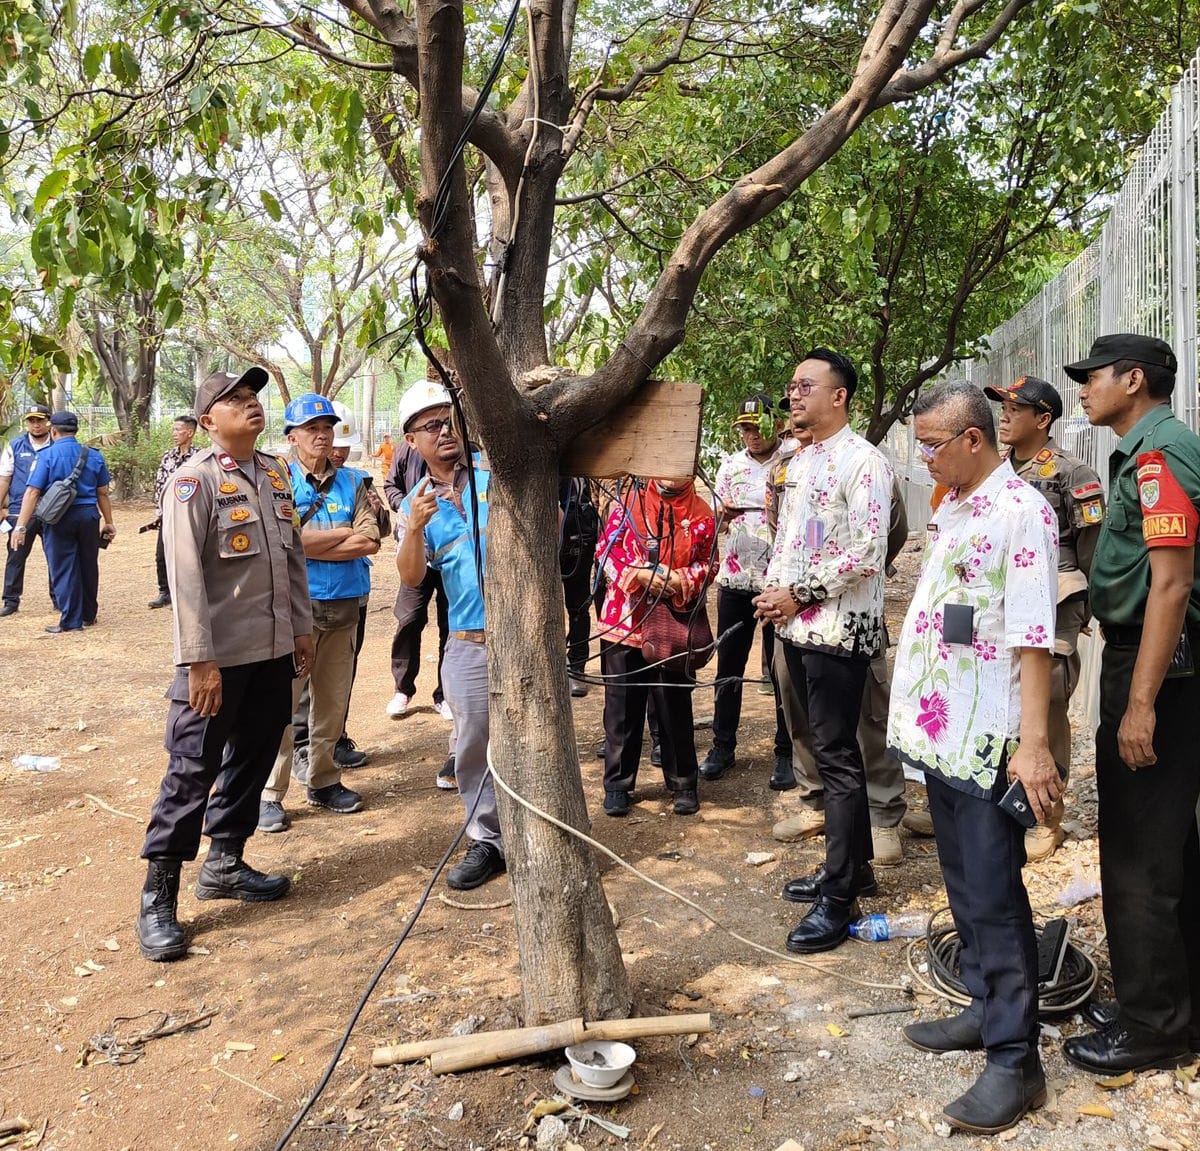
pixel 224 875
pixel 160 938
pixel 999 1097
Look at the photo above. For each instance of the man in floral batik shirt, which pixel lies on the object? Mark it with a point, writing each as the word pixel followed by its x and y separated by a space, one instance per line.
pixel 970 708
pixel 824 594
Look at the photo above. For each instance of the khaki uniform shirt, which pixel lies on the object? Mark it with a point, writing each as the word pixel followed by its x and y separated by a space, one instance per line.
pixel 236 569
pixel 1076 497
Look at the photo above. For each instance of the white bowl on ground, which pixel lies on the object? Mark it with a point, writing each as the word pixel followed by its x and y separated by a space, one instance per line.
pixel 600 1062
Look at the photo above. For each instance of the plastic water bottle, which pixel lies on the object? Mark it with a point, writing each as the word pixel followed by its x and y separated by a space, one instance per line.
pixel 37 762
pixel 872 928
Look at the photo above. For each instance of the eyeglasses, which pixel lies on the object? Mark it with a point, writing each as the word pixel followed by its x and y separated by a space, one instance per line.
pixel 434 427
pixel 805 387
pixel 928 451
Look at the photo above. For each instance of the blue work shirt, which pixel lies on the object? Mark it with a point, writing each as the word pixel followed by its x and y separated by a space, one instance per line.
pixel 450 547
pixel 24 453
pixel 58 461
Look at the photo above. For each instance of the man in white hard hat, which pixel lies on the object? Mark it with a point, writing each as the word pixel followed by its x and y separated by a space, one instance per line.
pixel 442 523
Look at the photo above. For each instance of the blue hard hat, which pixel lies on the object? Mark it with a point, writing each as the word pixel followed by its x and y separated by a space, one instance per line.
pixel 304 409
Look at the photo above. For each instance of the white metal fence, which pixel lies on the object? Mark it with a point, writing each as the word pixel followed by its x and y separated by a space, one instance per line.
pixel 1139 276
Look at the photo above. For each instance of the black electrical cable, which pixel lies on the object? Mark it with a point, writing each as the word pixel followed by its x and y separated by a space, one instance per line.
pixel 1076 980
pixel 374 982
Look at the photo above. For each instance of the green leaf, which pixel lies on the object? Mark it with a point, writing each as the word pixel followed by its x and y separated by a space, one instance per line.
pixel 271 205
pixel 52 186
pixel 93 57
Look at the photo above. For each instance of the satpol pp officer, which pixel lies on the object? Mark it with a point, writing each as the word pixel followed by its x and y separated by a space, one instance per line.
pixel 243 627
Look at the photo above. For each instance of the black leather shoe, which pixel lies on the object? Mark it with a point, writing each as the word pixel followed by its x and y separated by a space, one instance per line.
pixel 578 688
pixel 160 938
pixel 716 763
pixel 656 755
pixel 8 609
pixel 1114 1049
pixel 601 749
pixel 346 753
pixel 616 803
pixel 335 797
pixel 163 599
pixel 783 778
pixel 825 927
pixel 481 862
pixel 998 1098
pixel 227 876
pixel 960 1032
pixel 687 802
pixel 1100 1012
pixel 807 888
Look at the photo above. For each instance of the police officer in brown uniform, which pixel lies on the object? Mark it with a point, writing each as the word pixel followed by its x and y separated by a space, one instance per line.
pixel 243 628
pixel 1028 411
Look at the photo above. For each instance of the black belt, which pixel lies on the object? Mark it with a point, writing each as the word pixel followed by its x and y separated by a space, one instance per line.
pixel 1131 635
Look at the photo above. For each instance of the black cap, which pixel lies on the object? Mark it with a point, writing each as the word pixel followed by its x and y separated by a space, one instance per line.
pixel 1032 391
pixel 752 408
pixel 65 421
pixel 220 384
pixel 1124 346
pixel 36 412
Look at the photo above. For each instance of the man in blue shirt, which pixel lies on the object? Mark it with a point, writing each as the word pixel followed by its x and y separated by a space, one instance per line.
pixel 16 462
pixel 73 544
pixel 436 526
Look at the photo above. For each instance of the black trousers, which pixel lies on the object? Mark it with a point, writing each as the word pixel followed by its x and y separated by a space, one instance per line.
pixel 625 698
pixel 1149 854
pixel 14 563
pixel 733 653
pixel 832 688
pixel 160 565
pixel 982 851
pixel 228 755
pixel 412 614
pixel 300 715
pixel 576 571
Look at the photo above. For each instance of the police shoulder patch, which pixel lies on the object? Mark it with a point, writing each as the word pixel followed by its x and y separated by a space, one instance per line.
pixel 1045 455
pixel 1047 470
pixel 227 462
pixel 1087 491
pixel 185 488
pixel 1092 512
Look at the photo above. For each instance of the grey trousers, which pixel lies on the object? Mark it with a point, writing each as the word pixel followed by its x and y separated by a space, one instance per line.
pixel 885 775
pixel 465 682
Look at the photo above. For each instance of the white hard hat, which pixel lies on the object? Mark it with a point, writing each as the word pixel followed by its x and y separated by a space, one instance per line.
pixel 422 396
pixel 345 431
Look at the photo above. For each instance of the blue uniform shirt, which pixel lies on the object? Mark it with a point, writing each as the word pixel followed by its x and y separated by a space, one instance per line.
pixel 58 461
pixel 24 453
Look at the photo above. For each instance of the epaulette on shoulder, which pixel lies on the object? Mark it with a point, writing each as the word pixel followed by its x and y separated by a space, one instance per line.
pixel 1044 456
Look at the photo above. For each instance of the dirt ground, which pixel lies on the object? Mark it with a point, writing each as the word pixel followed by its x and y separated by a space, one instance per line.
pixel 784 1059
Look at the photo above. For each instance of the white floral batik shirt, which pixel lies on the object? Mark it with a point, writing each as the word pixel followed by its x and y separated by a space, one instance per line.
pixel 833 524
pixel 742 483
pixel 956 708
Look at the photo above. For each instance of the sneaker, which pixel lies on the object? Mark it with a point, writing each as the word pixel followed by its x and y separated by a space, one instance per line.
pixel 889 851
pixel 783 778
pixel 805 824
pixel 336 798
pixel 272 817
pixel 1041 842
pixel 163 599
pixel 446 779
pixel 397 706
pixel 919 823
pixel 481 862
pixel 443 709
pixel 300 763
pixel 765 686
pixel 602 749
pixel 346 753
pixel 616 803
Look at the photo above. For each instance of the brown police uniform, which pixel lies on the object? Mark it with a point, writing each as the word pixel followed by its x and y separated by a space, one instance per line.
pixel 239 589
pixel 1075 494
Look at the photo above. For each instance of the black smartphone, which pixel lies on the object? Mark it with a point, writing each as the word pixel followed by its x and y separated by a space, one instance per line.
pixel 1015 802
pixel 1051 949
pixel 958 623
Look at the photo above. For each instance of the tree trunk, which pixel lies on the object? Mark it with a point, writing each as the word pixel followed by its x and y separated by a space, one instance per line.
pixel 368 413
pixel 571 959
